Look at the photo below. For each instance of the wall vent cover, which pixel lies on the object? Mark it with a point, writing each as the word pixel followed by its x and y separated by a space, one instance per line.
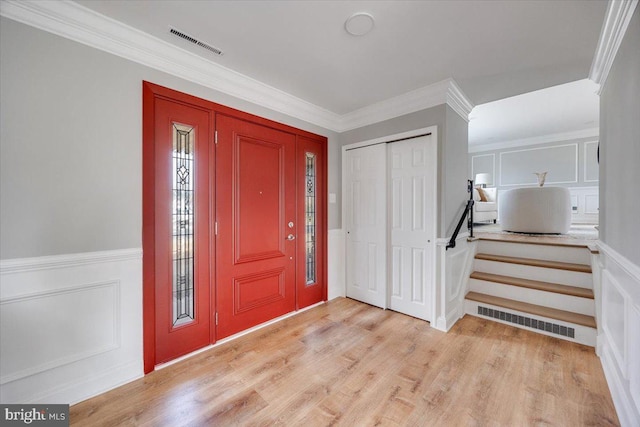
pixel 528 322
pixel 195 41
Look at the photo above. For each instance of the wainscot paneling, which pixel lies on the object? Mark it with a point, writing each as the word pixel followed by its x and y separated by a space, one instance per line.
pixel 619 344
pixel 70 325
pixel 336 280
pixel 584 205
pixel 452 274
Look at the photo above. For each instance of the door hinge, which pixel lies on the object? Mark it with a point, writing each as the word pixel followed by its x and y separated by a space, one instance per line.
pixel 215 226
pixel 215 137
pixel 216 318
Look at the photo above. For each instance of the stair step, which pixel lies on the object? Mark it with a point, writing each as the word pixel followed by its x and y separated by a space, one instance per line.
pixel 534 284
pixel 582 268
pixel 565 316
pixel 529 241
pixel 578 254
pixel 566 277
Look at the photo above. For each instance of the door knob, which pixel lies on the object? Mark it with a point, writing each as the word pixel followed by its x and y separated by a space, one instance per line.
pixel 291 237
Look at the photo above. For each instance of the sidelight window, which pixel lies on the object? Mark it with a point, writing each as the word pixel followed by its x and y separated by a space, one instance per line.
pixel 182 211
pixel 310 218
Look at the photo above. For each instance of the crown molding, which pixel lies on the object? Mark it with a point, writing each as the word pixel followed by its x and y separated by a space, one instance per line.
pixel 616 21
pixel 443 92
pixel 73 21
pixel 457 100
pixel 535 140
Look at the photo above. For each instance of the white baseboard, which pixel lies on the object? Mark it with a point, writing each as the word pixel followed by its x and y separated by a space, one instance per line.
pixel 444 323
pixel 63 317
pixel 81 389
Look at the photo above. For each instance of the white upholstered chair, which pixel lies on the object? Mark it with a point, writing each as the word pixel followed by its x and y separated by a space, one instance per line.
pixel 485 211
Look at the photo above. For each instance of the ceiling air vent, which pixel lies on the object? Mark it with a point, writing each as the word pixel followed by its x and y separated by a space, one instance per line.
pixel 195 41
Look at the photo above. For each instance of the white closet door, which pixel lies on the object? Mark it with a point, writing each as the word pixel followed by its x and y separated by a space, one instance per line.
pixel 411 221
pixel 365 211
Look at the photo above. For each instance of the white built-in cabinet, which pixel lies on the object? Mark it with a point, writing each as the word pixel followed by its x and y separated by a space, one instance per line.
pixel 389 199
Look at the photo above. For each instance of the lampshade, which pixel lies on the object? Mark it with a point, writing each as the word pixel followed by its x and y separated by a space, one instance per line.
pixel 483 178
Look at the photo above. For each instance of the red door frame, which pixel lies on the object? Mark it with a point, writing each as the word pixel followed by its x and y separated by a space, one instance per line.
pixel 150 92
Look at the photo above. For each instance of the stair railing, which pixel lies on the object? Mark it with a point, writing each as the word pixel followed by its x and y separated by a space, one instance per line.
pixel 467 210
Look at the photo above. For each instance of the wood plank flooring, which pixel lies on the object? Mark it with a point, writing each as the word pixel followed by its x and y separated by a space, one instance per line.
pixel 349 364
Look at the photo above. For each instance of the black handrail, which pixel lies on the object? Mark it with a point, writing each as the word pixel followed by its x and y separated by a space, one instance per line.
pixel 467 210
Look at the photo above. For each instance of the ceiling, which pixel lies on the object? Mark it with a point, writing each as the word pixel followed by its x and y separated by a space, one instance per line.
pixel 493 49
pixel 560 112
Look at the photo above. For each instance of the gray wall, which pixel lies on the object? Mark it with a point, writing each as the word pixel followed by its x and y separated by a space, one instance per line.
pixel 565 161
pixel 453 181
pixel 452 153
pixel 70 144
pixel 71 152
pixel 620 148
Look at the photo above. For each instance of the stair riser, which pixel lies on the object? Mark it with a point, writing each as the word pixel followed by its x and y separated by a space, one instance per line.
pixel 533 296
pixel 583 334
pixel 552 275
pixel 545 252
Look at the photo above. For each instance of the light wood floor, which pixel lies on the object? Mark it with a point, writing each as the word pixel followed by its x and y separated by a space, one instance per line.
pixel 349 364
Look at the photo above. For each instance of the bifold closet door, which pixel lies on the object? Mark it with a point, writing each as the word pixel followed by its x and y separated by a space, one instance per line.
pixel 411 166
pixel 390 224
pixel 365 223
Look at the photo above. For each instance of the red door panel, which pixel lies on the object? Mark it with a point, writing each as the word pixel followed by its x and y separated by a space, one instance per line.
pixel 182 231
pixel 311 283
pixel 258 194
pixel 255 202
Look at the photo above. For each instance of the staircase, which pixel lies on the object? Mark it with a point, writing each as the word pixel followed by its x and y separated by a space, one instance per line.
pixel 545 288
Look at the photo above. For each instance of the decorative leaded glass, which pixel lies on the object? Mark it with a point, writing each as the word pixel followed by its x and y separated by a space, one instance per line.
pixel 182 212
pixel 310 218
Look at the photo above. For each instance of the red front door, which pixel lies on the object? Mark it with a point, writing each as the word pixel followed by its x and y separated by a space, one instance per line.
pixel 234 232
pixel 257 225
pixel 183 160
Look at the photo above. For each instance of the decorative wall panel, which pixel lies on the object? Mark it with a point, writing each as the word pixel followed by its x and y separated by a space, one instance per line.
pixel 63 316
pixel 519 167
